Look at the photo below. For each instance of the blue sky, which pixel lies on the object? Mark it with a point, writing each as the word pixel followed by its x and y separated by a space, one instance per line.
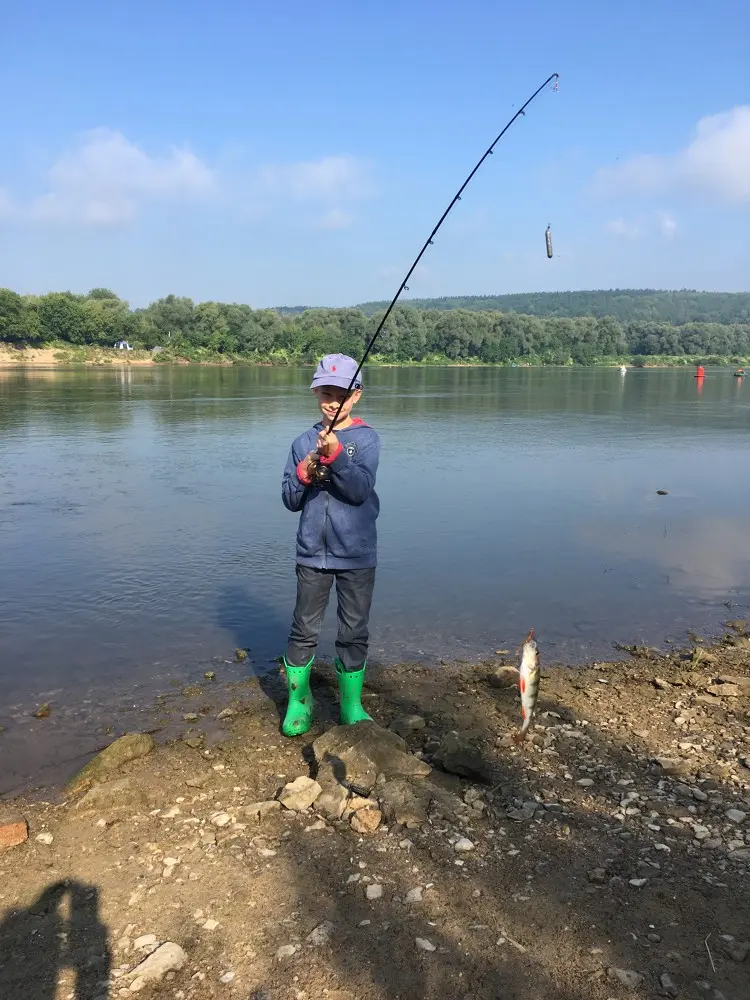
pixel 300 153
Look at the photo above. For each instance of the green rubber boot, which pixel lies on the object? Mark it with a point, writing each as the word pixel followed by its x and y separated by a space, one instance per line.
pixel 350 694
pixel 299 712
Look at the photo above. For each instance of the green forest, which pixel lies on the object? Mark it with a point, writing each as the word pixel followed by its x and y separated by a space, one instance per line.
pixel 624 304
pixel 206 330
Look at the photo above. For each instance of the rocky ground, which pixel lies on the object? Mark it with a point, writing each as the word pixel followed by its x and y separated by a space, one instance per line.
pixel 422 856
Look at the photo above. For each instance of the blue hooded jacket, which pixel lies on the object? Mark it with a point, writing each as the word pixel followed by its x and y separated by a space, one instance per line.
pixel 337 523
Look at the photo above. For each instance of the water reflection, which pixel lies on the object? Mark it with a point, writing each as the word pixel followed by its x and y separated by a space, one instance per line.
pixel 132 499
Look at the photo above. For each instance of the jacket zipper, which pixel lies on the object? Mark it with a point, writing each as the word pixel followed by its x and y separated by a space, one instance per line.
pixel 325 524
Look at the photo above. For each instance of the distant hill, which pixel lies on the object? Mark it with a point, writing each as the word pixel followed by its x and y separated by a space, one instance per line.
pixel 625 304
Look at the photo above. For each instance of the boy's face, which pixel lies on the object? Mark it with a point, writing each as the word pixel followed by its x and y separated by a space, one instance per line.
pixel 329 400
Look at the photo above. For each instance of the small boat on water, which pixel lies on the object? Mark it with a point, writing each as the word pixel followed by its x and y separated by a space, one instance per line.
pixel 739 373
pixel 623 369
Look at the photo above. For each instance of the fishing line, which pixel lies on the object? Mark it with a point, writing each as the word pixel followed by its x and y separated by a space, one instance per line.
pixel 321 472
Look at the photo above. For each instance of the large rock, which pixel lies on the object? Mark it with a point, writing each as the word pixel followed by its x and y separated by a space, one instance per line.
pixel 119 794
pixel 14 829
pixel 122 751
pixel 405 802
pixel 258 811
pixel 299 794
pixel 458 756
pixel 332 802
pixel 168 957
pixel 503 677
pixel 354 756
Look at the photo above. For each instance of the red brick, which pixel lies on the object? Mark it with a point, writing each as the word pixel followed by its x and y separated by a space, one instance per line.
pixel 14 829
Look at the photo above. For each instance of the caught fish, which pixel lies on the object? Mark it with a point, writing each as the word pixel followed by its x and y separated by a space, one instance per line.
pixel 528 683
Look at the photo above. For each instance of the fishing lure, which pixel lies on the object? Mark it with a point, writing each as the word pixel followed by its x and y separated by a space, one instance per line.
pixel 320 472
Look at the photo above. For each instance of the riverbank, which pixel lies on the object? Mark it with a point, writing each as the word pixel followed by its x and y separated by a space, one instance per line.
pixel 52 355
pixel 607 857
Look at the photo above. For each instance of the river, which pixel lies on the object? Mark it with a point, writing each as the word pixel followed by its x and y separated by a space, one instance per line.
pixel 142 534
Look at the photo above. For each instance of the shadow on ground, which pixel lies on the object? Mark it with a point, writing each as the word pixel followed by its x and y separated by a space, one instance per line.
pixel 60 937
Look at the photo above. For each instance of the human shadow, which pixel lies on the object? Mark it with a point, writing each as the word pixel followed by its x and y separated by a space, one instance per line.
pixel 567 876
pixel 39 943
pixel 239 612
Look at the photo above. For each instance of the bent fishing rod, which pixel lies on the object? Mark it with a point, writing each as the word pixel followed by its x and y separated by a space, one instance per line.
pixel 321 471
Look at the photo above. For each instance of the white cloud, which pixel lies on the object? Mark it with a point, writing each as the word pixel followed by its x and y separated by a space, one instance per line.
pixel 620 227
pixel 714 163
pixel 7 208
pixel 106 180
pixel 335 218
pixel 667 224
pixel 331 178
pixel 642 226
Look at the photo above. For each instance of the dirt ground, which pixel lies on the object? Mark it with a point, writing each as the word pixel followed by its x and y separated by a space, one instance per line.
pixel 608 856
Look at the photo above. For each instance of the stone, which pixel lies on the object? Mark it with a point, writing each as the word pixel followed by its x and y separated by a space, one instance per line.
pixel 667 986
pixel 458 756
pixel 256 812
pixel 424 945
pixel 220 819
pixel 585 782
pixel 463 844
pixel 145 941
pixel 321 934
pixel 638 882
pixel 210 925
pixel 299 795
pixel 405 802
pixel 413 896
pixel 199 780
pixel 503 677
pixel 122 793
pixel 286 951
pixel 405 725
pixel 627 977
pixel 738 952
pixel 374 891
pixel 670 765
pixel 14 830
pixel 226 977
pixel 354 756
pixel 332 802
pixel 45 838
pixel 319 824
pixel 169 957
pixel 735 815
pixel 598 876
pixel 366 821
pixel 112 758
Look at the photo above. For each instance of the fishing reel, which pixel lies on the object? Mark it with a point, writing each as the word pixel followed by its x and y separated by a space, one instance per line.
pixel 320 474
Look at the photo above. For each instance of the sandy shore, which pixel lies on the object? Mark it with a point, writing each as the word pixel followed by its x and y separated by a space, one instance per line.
pixel 45 357
pixel 607 857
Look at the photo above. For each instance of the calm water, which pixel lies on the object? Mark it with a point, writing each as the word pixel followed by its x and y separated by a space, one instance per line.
pixel 142 532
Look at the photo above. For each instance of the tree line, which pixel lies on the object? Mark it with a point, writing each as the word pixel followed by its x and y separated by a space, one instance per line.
pixel 625 304
pixel 181 326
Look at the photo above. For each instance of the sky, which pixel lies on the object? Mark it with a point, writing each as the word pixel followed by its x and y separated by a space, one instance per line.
pixel 300 154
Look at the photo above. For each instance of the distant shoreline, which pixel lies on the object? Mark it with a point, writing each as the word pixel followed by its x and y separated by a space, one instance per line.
pixel 52 356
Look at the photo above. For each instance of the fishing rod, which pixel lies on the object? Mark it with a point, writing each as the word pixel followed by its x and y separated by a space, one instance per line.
pixel 321 471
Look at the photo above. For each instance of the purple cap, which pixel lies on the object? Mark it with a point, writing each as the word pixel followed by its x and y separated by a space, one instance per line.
pixel 338 370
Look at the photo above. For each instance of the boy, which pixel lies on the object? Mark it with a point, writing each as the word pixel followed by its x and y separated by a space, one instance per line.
pixel 336 539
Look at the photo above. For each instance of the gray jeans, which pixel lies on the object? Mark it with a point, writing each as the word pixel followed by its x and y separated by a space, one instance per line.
pixel 354 589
